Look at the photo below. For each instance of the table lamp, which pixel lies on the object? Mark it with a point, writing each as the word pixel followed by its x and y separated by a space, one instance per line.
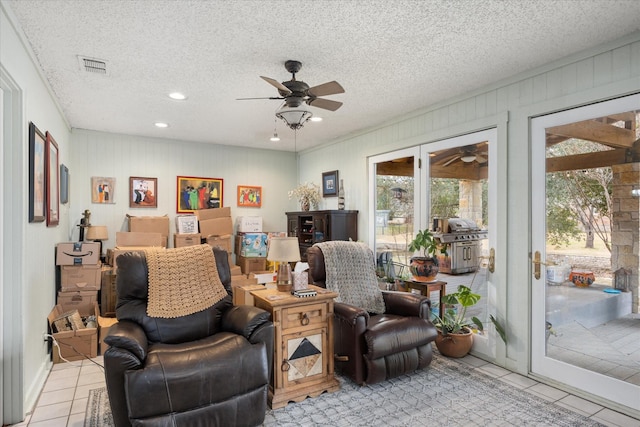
pixel 284 250
pixel 98 233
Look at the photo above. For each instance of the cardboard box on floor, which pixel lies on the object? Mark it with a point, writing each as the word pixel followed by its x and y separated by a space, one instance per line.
pixel 77 253
pixel 80 277
pixel 74 345
pixel 109 293
pixel 104 324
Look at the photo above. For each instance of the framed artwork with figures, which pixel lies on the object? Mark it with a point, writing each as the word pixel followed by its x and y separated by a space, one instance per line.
pixel 143 192
pixel 195 193
pixel 330 184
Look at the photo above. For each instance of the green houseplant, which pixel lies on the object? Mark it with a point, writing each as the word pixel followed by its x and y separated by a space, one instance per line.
pixel 455 335
pixel 424 268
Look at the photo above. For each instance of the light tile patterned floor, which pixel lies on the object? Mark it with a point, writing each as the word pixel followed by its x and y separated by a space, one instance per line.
pixel 63 400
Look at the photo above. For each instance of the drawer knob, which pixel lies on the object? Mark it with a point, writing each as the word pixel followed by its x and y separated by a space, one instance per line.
pixel 285 365
pixel 304 319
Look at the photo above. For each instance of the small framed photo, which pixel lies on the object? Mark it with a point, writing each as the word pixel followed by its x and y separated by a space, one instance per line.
pixel 198 193
pixel 37 144
pixel 249 197
pixel 143 192
pixel 52 167
pixel 103 190
pixel 330 184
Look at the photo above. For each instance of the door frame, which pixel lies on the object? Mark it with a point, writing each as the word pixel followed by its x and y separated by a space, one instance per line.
pixel 591 382
pixel 489 346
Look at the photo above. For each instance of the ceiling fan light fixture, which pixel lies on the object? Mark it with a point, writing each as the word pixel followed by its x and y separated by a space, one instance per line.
pixel 294 117
pixel 468 158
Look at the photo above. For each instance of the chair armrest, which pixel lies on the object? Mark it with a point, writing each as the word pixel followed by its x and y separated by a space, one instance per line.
pixel 244 319
pixel 350 313
pixel 128 336
pixel 407 304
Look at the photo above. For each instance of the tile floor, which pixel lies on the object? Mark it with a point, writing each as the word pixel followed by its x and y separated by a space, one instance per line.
pixel 64 398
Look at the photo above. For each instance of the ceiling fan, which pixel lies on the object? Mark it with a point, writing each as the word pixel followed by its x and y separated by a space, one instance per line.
pixel 468 154
pixel 296 93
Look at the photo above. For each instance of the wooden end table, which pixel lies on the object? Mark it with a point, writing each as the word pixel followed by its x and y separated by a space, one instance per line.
pixel 426 288
pixel 303 344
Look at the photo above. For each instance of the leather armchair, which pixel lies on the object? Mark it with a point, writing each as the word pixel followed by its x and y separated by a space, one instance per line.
pixel 371 348
pixel 210 368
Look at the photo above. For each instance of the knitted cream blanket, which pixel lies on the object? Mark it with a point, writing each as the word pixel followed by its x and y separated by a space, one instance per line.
pixel 182 281
pixel 350 271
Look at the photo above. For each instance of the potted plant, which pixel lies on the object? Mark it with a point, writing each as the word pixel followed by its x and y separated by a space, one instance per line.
pixel 424 268
pixel 455 336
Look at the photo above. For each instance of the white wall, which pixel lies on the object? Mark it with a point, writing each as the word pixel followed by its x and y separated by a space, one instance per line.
pixel 586 77
pixel 124 156
pixel 31 296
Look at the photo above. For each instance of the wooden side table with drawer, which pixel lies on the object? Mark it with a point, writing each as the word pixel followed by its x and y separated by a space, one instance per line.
pixel 303 344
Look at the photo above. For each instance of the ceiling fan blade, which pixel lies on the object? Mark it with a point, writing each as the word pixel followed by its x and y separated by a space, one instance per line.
pixel 268 97
pixel 451 160
pixel 326 104
pixel 329 88
pixel 276 84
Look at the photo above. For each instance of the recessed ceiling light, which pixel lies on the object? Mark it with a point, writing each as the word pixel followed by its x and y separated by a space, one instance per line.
pixel 162 125
pixel 316 119
pixel 178 96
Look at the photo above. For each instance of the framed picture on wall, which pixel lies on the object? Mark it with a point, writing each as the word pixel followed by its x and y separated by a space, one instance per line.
pixel 143 192
pixel 330 184
pixel 37 143
pixel 103 190
pixel 52 167
pixel 198 193
pixel 249 196
pixel 64 184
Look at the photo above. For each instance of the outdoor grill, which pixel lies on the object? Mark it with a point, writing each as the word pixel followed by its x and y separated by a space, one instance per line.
pixel 463 238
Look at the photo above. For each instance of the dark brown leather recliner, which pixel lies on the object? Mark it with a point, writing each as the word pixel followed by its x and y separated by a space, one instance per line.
pixel 371 348
pixel 210 368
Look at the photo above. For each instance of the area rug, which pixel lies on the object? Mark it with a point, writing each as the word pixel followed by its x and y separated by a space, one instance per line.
pixel 447 393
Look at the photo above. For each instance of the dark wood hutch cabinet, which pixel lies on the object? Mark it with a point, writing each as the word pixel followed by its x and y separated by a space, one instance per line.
pixel 320 226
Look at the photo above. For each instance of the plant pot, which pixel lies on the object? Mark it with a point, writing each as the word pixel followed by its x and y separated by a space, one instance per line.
pixel 455 345
pixel 424 269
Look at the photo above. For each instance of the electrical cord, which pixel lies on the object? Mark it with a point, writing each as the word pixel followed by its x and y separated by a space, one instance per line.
pixel 57 344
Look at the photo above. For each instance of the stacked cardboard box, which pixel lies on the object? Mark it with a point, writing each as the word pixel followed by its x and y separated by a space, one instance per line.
pixel 150 224
pixel 133 241
pixel 104 324
pixel 186 231
pixel 216 228
pixel 109 292
pixel 80 271
pixel 78 343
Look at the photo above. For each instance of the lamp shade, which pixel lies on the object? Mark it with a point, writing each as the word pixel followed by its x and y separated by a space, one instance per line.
pixel 294 117
pixel 283 249
pixel 97 232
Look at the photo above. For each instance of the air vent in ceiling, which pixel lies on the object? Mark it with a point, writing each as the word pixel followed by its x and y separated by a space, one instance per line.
pixel 93 65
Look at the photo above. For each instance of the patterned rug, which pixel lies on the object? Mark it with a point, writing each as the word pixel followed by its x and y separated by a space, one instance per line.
pixel 447 393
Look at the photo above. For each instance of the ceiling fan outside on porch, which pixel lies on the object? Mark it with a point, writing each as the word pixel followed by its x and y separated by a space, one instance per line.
pixel 296 93
pixel 468 154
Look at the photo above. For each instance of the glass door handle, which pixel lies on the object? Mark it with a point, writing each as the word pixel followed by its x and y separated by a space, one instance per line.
pixel 537 262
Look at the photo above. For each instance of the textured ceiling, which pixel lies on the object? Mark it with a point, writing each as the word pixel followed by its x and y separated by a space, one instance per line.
pixel 392 58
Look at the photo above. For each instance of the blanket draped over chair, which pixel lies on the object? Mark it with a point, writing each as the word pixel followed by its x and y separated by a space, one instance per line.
pixel 182 281
pixel 352 274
